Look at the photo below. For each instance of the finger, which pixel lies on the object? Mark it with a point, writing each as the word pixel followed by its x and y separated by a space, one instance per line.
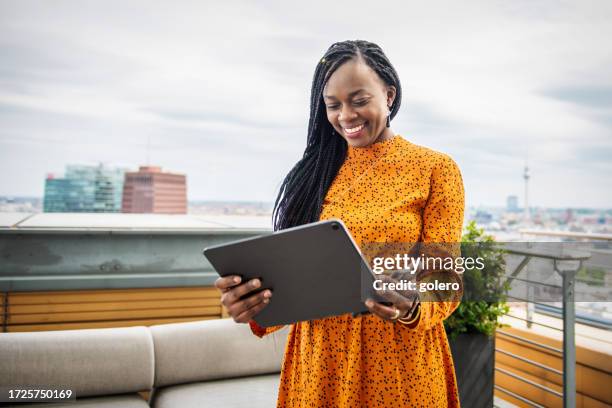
pixel 239 291
pixel 245 304
pixel 226 282
pixel 403 299
pixel 406 280
pixel 385 312
pixel 248 314
pixel 399 301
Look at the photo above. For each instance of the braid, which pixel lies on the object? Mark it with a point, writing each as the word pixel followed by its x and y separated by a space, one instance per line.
pixel 301 194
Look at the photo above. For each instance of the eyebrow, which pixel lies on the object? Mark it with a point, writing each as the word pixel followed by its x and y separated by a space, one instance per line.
pixel 350 95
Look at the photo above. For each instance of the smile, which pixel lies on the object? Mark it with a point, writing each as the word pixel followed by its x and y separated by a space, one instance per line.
pixel 354 129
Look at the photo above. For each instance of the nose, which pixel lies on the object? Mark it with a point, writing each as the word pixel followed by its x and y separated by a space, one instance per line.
pixel 347 114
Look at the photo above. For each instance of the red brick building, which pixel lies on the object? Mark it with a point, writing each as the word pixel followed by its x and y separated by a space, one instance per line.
pixel 149 190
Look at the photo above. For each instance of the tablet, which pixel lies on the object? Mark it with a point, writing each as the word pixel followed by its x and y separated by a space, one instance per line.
pixel 314 271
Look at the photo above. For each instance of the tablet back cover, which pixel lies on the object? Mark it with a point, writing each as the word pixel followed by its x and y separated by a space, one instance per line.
pixel 314 271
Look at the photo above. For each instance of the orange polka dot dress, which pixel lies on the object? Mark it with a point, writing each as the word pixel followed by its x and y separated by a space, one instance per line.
pixel 391 191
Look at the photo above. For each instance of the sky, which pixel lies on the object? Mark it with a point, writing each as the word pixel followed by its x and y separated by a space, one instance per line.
pixel 220 90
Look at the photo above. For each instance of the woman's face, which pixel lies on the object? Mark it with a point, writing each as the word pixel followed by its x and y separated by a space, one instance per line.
pixel 357 103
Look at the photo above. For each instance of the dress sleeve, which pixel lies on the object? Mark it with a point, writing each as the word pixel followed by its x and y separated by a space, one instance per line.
pixel 441 235
pixel 262 331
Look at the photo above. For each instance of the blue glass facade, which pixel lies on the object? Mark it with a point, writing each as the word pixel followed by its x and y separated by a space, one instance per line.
pixel 85 189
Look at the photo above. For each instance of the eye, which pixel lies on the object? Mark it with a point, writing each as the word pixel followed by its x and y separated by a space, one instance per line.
pixel 332 107
pixel 361 102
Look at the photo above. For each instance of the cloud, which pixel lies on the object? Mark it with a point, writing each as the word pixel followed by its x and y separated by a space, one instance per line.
pixel 588 96
pixel 221 90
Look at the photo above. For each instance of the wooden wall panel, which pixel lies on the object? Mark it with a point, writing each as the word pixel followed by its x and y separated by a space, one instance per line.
pixel 67 310
pixel 2 308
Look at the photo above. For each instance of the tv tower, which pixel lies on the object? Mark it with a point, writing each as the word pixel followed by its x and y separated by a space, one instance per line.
pixel 526 178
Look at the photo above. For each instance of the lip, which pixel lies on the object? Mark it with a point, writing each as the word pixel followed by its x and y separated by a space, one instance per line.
pixel 356 134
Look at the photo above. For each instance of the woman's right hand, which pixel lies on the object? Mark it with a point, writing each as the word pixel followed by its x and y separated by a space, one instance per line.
pixel 242 310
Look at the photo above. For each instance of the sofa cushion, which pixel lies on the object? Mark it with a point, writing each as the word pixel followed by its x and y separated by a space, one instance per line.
pixel 123 401
pixel 256 391
pixel 213 349
pixel 90 362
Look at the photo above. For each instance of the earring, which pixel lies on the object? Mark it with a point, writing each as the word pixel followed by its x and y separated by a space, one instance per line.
pixel 389 119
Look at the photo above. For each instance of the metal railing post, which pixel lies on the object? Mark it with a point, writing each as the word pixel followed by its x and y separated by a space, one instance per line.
pixel 569 335
pixel 530 307
pixel 568 275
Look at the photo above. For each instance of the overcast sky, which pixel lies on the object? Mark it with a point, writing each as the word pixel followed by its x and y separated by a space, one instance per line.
pixel 221 90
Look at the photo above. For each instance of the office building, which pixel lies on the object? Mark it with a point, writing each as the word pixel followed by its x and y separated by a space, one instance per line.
pixel 149 190
pixel 85 189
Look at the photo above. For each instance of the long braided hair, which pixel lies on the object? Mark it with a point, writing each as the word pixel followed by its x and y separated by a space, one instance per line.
pixel 301 195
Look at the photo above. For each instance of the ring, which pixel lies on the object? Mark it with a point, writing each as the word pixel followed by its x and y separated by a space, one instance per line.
pixel 396 314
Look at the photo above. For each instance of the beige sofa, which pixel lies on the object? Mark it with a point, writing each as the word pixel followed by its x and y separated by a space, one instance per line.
pixel 199 364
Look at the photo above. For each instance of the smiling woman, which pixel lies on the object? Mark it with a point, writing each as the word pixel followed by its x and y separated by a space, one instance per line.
pixel 386 190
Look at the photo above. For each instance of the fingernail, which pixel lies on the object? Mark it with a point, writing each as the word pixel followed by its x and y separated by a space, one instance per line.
pixel 255 283
pixel 369 303
pixel 267 294
pixel 237 279
pixel 266 300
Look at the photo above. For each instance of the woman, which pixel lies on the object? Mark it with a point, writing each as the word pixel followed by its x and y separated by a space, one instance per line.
pixel 387 190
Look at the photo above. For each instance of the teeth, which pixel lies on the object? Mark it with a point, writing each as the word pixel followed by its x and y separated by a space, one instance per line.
pixel 355 129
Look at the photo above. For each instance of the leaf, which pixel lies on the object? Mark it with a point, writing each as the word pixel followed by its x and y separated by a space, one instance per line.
pixel 479 315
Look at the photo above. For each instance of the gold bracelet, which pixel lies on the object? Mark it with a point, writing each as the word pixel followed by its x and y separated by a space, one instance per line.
pixel 413 310
pixel 416 315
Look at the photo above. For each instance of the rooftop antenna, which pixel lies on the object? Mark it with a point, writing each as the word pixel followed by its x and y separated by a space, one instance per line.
pixel 148 148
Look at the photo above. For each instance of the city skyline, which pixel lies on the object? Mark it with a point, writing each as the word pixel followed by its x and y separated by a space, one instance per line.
pixel 502 203
pixel 6 199
pixel 489 83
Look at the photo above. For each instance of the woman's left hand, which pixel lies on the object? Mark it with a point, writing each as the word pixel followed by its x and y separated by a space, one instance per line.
pixel 402 301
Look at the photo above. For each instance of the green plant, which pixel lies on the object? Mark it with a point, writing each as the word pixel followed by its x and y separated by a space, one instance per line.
pixel 484 299
pixel 592 276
